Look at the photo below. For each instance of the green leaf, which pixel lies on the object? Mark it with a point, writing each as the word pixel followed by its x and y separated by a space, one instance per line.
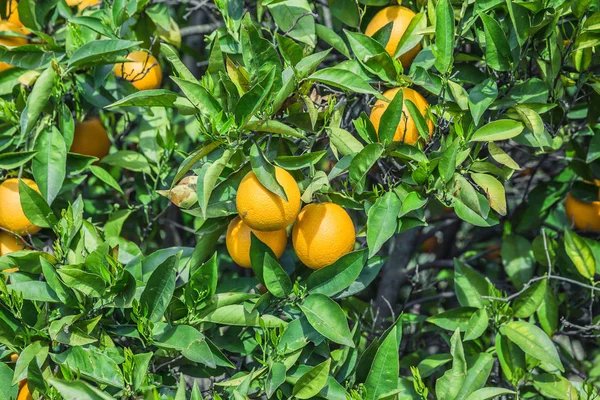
pixel 49 164
pixel 105 177
pixel 77 390
pixel 456 318
pixel 343 141
pixel 7 389
pixel 91 363
pixel 518 259
pixel 547 313
pixel 299 162
pixel 477 374
pixel 294 17
pixel 37 100
pixel 273 126
pixel 418 119
pixel 265 172
pixel 199 96
pixel 332 39
pixel 511 358
pixel 128 159
pixel 36 291
pixel 372 56
pixel 501 157
pixel 528 302
pixel 159 289
pixel 35 350
pixel 252 100
pixel 447 164
pixel 343 79
pixel 580 254
pixel 481 97
pixel 190 161
pixel 448 386
pixel 207 179
pixel 494 191
pixel 98 52
pixel 444 36
pixel 488 393
pixel 366 276
pixel 555 387
pixel 533 341
pixel 381 221
pixel 10 160
pixel 276 279
pixel 327 317
pixel 383 375
pixel 275 378
pixel 497 49
pixel 311 383
pixel 147 98
pixel 171 55
pixel 336 277
pixel 362 163
pixel 478 323
pixel 391 119
pixel 35 207
pixel 501 129
pixel 346 11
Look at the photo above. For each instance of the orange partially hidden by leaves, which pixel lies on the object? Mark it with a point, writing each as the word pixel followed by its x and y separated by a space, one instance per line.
pixel 12 216
pixel 143 70
pixel 239 238
pixel 584 215
pixel 406 130
pixel 401 17
pixel 10 41
pixel 12 12
pixel 90 139
pixel 82 4
pixel 24 393
pixel 322 234
pixel 263 210
pixel 10 243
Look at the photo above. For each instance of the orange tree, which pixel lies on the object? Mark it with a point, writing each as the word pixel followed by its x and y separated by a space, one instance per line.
pixel 299 199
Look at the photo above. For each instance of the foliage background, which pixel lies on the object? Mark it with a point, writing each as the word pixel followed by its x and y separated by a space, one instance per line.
pixel 126 295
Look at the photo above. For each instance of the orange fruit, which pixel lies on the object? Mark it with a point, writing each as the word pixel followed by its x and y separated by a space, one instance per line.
pixel 90 139
pixel 12 217
pixel 238 240
pixel 322 234
pixel 12 12
pixel 431 245
pixel 82 4
pixel 407 129
pixel 143 70
pixel 401 16
pixel 14 357
pixel 10 243
pixel 10 41
pixel 263 210
pixel 584 215
pixel 24 393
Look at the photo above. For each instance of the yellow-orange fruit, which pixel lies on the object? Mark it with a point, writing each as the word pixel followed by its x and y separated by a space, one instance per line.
pixel 24 393
pixel 143 70
pixel 406 130
pixel 12 12
pixel 90 139
pixel 239 238
pixel 82 4
pixel 14 357
pixel 401 16
pixel 584 215
pixel 322 234
pixel 10 243
pixel 10 41
pixel 263 210
pixel 11 212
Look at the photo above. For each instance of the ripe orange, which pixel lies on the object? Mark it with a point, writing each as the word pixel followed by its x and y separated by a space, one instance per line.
pixel 24 393
pixel 322 234
pixel 10 41
pixel 12 12
pixel 82 4
pixel 10 243
pixel 407 129
pixel 14 357
pixel 401 16
pixel 238 240
pixel 584 215
pixel 143 71
pixel 11 212
pixel 263 210
pixel 91 139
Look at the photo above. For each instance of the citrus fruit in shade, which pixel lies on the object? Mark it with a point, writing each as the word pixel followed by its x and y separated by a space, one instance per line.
pixel 24 393
pixel 401 17
pixel 10 41
pixel 143 70
pixel 90 139
pixel 584 215
pixel 431 245
pixel 239 238
pixel 12 217
pixel 406 131
pixel 263 210
pixel 10 243
pixel 322 234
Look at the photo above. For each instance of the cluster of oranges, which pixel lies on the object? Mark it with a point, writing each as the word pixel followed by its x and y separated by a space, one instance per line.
pixel 400 17
pixel 322 232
